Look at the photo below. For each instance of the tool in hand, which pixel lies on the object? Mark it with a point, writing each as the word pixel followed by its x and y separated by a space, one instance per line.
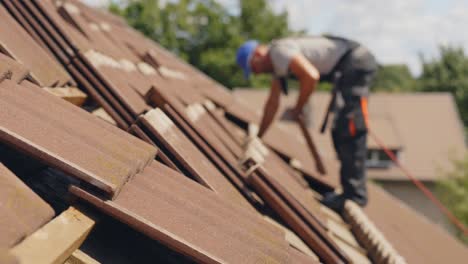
pixel 310 143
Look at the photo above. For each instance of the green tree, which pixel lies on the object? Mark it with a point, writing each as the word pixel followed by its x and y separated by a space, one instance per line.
pixel 143 15
pixel 447 73
pixel 394 78
pixel 453 191
pixel 259 22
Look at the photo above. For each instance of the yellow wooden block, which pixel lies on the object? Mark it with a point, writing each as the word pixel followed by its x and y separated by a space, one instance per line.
pixel 70 94
pixel 57 240
pixel 79 257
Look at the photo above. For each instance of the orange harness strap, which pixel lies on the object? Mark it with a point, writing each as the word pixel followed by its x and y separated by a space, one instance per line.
pixel 365 111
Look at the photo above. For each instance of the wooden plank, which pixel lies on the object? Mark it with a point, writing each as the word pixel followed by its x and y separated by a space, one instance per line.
pixel 79 257
pixel 6 257
pixel 311 144
pixel 293 240
pixel 332 215
pixel 293 220
pixel 370 237
pixel 305 215
pixel 300 258
pixel 10 69
pixel 165 132
pixel 355 255
pixel 22 47
pixel 56 241
pixel 101 113
pixel 70 94
pixel 344 233
pixel 22 211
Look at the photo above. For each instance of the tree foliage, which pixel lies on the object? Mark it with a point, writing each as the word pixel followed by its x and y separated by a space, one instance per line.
pixel 447 73
pixel 394 78
pixel 205 34
pixel 259 22
pixel 453 191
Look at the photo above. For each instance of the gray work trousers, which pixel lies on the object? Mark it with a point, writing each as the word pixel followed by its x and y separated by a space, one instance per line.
pixel 352 153
pixel 349 131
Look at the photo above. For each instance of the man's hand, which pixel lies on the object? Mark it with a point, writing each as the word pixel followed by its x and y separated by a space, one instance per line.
pixel 271 107
pixel 291 114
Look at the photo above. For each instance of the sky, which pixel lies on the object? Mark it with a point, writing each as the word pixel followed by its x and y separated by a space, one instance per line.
pixel 396 31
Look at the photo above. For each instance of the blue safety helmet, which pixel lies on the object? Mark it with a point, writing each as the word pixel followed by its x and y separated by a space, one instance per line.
pixel 244 54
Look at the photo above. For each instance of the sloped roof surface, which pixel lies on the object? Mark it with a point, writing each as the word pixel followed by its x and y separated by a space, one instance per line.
pixel 21 211
pixel 192 183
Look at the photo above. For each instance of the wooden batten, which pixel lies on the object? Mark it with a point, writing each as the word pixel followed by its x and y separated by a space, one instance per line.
pixel 58 239
pixel 79 257
pixel 101 113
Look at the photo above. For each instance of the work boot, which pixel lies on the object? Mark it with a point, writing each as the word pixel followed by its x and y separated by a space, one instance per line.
pixel 334 201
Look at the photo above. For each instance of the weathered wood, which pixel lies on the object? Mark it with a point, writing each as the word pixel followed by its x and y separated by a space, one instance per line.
pixel 313 149
pixel 370 237
pixel 101 113
pixel 70 94
pixel 356 256
pixel 7 258
pixel 79 257
pixel 298 225
pixel 55 241
pixel 342 231
pixel 293 240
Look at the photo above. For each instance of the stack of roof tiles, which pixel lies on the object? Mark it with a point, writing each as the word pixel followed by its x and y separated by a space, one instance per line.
pixel 170 162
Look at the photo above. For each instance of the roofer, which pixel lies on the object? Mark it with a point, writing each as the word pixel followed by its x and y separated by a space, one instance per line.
pixel 322 58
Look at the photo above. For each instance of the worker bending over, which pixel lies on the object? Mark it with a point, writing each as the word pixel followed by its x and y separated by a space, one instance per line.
pixel 323 58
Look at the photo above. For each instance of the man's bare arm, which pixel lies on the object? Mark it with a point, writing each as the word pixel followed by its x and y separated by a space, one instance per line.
pixel 308 77
pixel 271 107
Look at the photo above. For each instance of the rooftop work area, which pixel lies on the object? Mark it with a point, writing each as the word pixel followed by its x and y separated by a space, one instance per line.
pixel 400 121
pixel 115 150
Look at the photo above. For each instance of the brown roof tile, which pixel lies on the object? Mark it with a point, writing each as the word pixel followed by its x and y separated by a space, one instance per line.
pixel 36 30
pixel 85 83
pixel 210 224
pixel 68 38
pixel 167 134
pixel 21 211
pixel 300 258
pixel 18 44
pixel 55 138
pixel 10 69
pixel 201 230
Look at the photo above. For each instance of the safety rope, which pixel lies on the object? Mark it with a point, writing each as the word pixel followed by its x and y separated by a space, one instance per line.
pixel 421 186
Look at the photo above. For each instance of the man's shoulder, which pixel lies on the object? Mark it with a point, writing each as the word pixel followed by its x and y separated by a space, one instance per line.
pixel 282 41
pixel 303 42
pixel 294 39
pixel 283 47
